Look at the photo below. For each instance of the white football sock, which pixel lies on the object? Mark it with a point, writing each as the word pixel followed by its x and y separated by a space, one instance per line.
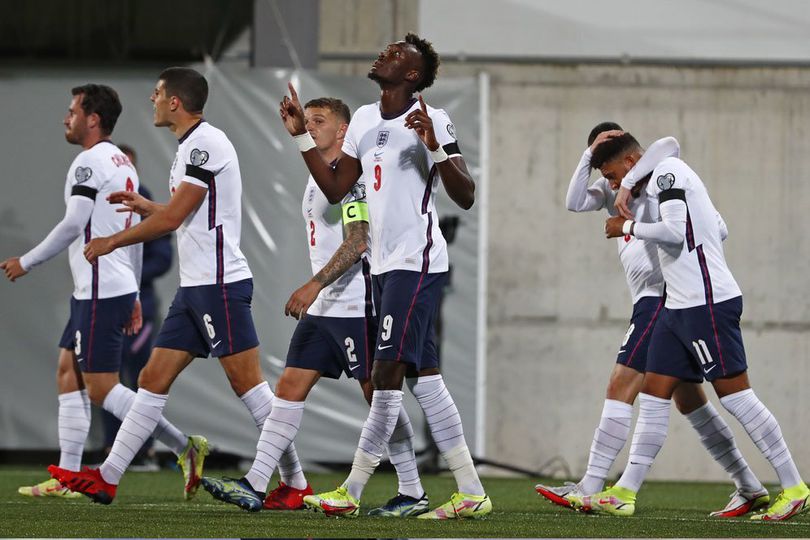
pixel 259 401
pixel 74 425
pixel 402 457
pixel 377 430
pixel 136 428
pixel 118 402
pixel 448 434
pixel 87 404
pixel 717 438
pixel 648 438
pixel 278 433
pixel 764 430
pixel 608 440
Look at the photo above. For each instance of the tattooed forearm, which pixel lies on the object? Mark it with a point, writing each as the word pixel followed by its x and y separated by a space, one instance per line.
pixel 346 255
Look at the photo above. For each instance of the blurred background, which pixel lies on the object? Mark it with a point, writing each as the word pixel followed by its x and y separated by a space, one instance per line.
pixel 538 303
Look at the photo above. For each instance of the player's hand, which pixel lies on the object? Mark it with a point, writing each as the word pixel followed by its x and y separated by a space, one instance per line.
pixel 604 136
pixel 420 122
pixel 12 268
pixel 135 321
pixel 133 202
pixel 613 227
pixel 292 114
pixel 299 302
pixel 622 203
pixel 98 247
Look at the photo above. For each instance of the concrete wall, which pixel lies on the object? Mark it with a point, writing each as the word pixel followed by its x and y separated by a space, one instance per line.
pixel 559 308
pixel 558 303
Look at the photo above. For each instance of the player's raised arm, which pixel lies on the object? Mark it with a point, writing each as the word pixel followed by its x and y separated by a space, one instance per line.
pixel 581 197
pixel 657 152
pixel 336 183
pixel 448 159
pixel 185 200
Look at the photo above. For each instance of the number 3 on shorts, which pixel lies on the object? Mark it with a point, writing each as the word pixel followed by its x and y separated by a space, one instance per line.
pixel 208 326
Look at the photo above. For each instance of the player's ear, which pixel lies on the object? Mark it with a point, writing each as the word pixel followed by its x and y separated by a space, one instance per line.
pixel 93 120
pixel 341 132
pixel 412 76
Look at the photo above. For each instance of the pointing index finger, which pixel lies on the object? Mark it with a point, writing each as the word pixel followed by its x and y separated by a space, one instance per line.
pixel 422 104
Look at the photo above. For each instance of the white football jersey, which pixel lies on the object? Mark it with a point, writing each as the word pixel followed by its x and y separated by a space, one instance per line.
pixel 347 295
pixel 695 271
pixel 95 173
pixel 208 240
pixel 401 182
pixel 639 257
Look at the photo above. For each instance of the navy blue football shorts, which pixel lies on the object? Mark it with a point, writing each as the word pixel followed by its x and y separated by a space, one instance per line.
pixel 333 345
pixel 95 332
pixel 702 342
pixel 210 320
pixel 406 304
pixel 633 352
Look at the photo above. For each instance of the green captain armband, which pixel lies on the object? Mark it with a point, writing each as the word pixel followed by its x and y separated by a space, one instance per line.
pixel 355 211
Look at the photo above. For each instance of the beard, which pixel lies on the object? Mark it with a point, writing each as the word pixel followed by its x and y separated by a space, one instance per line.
pixel 374 77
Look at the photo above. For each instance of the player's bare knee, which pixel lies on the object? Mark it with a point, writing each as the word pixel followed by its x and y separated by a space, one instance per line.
pixel 688 398
pixel 151 380
pixel 387 375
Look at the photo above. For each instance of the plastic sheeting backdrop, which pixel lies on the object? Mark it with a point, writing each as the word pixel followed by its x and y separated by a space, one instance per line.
pixel 243 103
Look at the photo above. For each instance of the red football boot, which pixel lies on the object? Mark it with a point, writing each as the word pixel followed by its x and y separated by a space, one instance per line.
pixel 87 482
pixel 285 497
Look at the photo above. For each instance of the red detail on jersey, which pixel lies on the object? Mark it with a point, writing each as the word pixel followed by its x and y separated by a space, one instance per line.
pixel 311 233
pixel 119 160
pixel 626 237
pixel 377 177
pixel 130 187
pixel 173 190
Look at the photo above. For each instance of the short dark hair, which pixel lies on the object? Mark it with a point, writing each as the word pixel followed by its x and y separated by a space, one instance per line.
pixel 188 85
pixel 101 100
pixel 430 59
pixel 127 149
pixel 600 128
pixel 613 148
pixel 333 104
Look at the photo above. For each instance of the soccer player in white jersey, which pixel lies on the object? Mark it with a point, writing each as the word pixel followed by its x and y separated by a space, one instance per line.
pixel 698 333
pixel 400 148
pixel 104 303
pixel 210 313
pixel 335 334
pixel 646 283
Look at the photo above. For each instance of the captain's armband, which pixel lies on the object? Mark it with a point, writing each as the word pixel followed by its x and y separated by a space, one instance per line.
pixel 355 211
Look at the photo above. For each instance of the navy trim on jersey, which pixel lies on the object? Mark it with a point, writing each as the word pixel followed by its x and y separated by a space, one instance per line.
pixel 219 254
pixel 426 251
pixel 212 204
pixel 690 232
pixel 185 136
pixel 84 191
pixel 452 149
pixel 369 330
pixel 200 174
pixel 429 188
pixel 707 279
pixel 671 194
pixel 400 113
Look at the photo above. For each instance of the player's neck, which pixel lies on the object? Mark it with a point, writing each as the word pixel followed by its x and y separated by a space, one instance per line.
pixel 184 123
pixel 93 139
pixel 394 99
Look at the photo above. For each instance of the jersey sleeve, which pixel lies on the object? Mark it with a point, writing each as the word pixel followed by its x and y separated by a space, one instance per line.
pixel 655 154
pixel 204 158
pixel 354 204
pixel 668 181
pixel 86 176
pixel 445 132
pixel 350 141
pixel 580 196
pixel 668 184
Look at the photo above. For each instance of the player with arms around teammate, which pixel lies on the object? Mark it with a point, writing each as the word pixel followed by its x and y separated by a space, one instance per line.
pixel 698 333
pixel 210 313
pixel 646 283
pixel 104 305
pixel 399 148
pixel 335 334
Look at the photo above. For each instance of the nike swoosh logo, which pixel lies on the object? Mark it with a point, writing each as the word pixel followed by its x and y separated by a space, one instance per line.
pixel 711 368
pixel 352 368
pixel 214 346
pixel 621 351
pixel 381 348
pixel 378 154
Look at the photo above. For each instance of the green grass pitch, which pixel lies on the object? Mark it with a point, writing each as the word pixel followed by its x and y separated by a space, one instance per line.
pixel 151 505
